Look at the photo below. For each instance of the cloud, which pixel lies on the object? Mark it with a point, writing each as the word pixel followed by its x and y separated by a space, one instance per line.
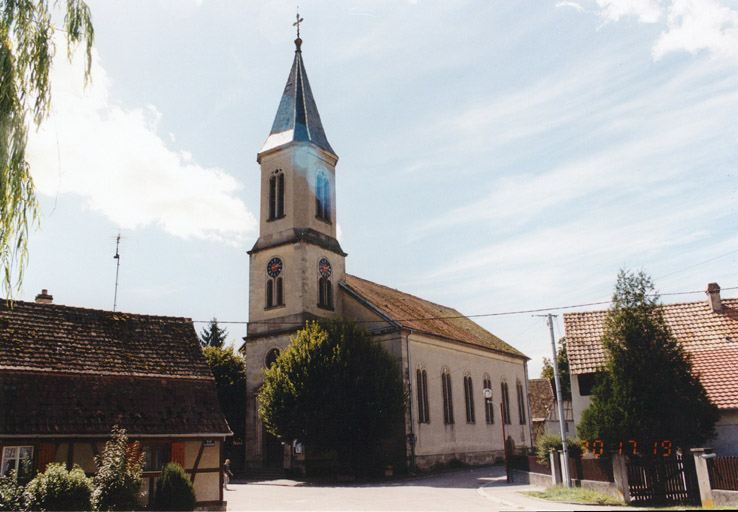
pixel 573 5
pixel 647 11
pixel 113 157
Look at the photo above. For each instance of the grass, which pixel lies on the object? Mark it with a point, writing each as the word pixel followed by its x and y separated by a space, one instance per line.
pixel 574 495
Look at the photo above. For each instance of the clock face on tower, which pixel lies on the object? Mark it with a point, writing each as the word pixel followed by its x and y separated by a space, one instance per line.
pixel 274 267
pixel 324 268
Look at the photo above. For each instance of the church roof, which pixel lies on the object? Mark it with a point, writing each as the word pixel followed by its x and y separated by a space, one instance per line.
pixel 710 338
pixel 297 118
pixel 410 312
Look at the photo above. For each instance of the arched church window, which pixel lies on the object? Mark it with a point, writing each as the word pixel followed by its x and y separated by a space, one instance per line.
pixel 421 382
pixel 521 402
pixel 505 403
pixel 489 411
pixel 469 398
pixel 276 195
pixel 322 197
pixel 448 405
pixel 271 357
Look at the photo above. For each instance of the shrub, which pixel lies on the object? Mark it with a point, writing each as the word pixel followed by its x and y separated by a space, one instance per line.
pixel 59 489
pixel 549 441
pixel 174 489
pixel 11 493
pixel 117 483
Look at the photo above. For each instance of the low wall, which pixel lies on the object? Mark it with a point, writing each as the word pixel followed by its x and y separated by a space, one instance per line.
pixel 725 498
pixel 541 480
pixel 524 477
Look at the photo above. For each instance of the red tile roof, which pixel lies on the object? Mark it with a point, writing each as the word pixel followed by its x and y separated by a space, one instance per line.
pixel 420 315
pixel 67 371
pixel 710 338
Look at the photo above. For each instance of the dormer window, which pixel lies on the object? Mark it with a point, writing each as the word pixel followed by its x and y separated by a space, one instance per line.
pixel 276 195
pixel 322 196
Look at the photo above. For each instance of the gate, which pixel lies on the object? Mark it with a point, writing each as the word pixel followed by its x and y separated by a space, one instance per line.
pixel 663 481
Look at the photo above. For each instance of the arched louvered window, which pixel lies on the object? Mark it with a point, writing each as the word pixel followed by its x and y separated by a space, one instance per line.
pixel 274 292
pixel 276 195
pixel 325 293
pixel 322 197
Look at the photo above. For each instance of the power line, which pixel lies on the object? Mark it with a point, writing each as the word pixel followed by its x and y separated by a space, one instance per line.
pixel 482 315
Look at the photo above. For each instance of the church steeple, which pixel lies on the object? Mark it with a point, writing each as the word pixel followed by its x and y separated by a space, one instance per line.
pixel 297 118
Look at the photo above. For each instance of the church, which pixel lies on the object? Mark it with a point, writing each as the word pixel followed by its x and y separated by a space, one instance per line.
pixel 467 389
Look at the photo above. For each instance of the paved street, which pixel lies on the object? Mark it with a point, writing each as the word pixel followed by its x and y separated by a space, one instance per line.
pixel 468 490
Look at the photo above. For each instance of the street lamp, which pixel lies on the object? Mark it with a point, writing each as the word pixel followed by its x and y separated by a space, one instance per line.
pixel 487 396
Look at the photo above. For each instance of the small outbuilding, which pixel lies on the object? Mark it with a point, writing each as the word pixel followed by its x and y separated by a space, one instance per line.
pixel 68 375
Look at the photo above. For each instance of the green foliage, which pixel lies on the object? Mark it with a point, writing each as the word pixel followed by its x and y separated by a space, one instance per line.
pixel 334 388
pixel 11 493
pixel 174 490
pixel 574 495
pixel 59 489
pixel 117 483
pixel 647 392
pixel 229 370
pixel 564 376
pixel 26 52
pixel 548 441
pixel 213 335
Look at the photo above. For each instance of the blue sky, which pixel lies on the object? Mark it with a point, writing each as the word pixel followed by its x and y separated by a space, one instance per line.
pixel 495 156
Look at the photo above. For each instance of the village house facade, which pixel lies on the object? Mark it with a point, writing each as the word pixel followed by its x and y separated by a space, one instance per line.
pixel 68 375
pixel 298 273
pixel 545 410
pixel 708 331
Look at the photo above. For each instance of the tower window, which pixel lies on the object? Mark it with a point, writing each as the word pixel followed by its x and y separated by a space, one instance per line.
pixel 276 195
pixel 421 378
pixel 448 405
pixel 322 197
pixel 271 357
pixel 469 397
pixel 274 293
pixel 325 293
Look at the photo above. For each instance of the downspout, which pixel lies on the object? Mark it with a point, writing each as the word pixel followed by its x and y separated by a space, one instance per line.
pixel 530 418
pixel 411 435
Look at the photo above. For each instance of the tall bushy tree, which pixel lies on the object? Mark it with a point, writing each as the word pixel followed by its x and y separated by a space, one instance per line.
pixel 117 483
pixel 647 392
pixel 26 52
pixel 562 360
pixel 213 335
pixel 334 388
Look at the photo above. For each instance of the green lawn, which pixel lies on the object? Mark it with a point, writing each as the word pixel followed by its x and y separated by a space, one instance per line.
pixel 574 495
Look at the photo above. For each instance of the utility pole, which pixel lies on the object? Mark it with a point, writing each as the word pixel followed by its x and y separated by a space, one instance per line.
pixel 559 401
pixel 117 268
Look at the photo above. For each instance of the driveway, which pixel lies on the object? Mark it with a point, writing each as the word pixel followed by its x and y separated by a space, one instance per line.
pixel 482 489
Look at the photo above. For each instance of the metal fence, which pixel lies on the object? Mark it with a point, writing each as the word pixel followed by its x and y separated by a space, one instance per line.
pixel 598 469
pixel 723 473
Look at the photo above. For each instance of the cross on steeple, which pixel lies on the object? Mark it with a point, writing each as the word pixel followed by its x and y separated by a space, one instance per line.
pixel 297 23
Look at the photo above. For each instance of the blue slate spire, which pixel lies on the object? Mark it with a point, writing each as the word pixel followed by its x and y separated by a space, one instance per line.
pixel 297 118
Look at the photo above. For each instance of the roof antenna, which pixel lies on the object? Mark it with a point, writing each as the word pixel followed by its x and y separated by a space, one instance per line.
pixel 117 268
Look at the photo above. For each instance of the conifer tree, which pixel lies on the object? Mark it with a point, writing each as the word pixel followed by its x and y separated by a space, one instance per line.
pixel 213 335
pixel 647 392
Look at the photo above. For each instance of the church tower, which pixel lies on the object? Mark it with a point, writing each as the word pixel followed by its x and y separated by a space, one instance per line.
pixel 297 262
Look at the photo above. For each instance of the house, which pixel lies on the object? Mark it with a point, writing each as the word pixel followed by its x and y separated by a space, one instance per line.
pixel 68 375
pixel 298 273
pixel 544 409
pixel 708 331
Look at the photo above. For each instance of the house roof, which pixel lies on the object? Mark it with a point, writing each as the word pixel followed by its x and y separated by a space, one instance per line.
pixel 710 338
pixel 410 312
pixel 541 398
pixel 297 118
pixel 71 371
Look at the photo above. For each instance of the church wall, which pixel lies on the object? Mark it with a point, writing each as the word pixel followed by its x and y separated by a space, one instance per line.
pixel 472 442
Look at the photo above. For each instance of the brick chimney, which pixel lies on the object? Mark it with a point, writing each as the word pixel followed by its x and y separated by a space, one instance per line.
pixel 713 294
pixel 45 298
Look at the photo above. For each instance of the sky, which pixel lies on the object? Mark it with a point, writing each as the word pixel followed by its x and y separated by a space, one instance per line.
pixel 497 156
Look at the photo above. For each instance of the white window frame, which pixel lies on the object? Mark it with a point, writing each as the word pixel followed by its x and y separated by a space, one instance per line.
pixel 13 454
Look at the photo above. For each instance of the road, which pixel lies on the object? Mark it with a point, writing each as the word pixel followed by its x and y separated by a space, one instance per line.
pixel 472 490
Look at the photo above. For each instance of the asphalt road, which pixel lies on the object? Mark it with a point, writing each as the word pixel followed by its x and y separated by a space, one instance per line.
pixel 482 489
